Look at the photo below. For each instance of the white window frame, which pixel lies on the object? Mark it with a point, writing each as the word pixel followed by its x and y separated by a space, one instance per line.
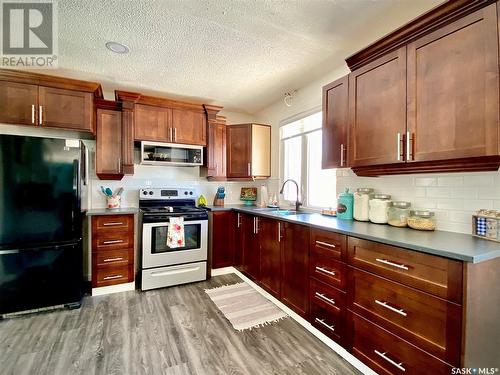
pixel 304 170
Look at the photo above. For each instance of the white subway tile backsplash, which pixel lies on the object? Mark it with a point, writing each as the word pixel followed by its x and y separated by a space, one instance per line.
pixel 453 197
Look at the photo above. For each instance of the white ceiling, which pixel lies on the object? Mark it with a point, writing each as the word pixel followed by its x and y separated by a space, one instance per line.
pixel 242 54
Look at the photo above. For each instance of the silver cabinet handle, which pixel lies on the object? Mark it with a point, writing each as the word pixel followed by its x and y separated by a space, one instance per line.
pixel 279 231
pixel 384 356
pixel 321 243
pixel 112 259
pixel 175 134
pixel 409 150
pixel 324 298
pixel 322 322
pixel 389 307
pixel 112 223
pixel 112 242
pixel 113 277
pixel 40 116
pixel 171 130
pixel 119 164
pixel 393 264
pixel 324 270
pixel 342 155
pixel 256 225
pixel 238 222
pixel 249 169
pixel 399 146
pixel 32 113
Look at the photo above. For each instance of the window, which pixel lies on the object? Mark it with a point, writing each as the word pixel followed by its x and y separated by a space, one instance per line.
pixel 301 161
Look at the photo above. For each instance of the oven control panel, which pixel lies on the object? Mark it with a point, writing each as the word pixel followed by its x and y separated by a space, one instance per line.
pixel 167 193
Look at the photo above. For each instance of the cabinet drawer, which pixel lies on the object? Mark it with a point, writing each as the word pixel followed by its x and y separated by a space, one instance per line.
pixel 328 270
pixel 112 222
pixel 119 257
pixel 328 244
pixel 105 276
pixel 329 323
pixel 112 240
pixel 388 354
pixel 433 274
pixel 428 322
pixel 327 297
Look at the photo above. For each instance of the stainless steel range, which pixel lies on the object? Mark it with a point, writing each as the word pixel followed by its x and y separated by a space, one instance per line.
pixel 164 266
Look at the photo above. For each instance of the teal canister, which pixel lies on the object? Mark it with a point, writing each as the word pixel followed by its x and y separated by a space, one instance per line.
pixel 345 205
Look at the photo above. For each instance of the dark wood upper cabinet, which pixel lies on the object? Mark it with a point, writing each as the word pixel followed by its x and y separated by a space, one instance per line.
pixel 109 141
pixel 189 127
pixel 222 242
pixel 270 255
pixel 66 109
pixel 335 124
pixel 215 154
pixel 152 123
pixel 295 263
pixel 377 111
pixel 18 103
pixel 248 151
pixel 453 86
pixel 40 100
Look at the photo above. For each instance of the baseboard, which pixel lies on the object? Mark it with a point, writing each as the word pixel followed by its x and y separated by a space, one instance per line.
pixel 113 289
pixel 304 323
pixel 222 271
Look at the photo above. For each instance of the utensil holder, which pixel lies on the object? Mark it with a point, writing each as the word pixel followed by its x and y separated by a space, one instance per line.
pixel 113 202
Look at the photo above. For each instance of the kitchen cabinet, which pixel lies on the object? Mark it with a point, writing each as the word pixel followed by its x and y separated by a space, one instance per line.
pixel 453 86
pixel 189 127
pixel 109 141
pixel 251 246
pixel 18 103
pixel 425 98
pixel 294 264
pixel 335 124
pixel 377 111
pixel 215 155
pixel 47 101
pixel 248 151
pixel 112 239
pixel 237 227
pixel 270 236
pixel 222 241
pixel 152 123
pixel 66 109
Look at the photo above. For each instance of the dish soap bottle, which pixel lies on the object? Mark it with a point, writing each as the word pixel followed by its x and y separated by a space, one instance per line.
pixel 345 205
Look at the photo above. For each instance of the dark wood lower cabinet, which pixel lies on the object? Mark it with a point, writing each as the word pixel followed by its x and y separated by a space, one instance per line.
pixel 222 241
pixel 251 247
pixel 295 262
pixel 270 255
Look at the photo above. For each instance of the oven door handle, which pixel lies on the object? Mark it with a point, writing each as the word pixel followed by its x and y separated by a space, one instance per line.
pixel 166 223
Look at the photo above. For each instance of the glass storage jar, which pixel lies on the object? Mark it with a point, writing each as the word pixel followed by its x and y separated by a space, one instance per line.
pixel 379 207
pixel 362 197
pixel 422 220
pixel 398 214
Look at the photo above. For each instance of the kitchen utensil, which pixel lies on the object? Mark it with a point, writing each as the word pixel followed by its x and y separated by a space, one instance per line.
pixel 109 192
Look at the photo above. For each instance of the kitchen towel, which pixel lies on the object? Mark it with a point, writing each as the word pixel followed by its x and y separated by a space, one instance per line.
pixel 175 234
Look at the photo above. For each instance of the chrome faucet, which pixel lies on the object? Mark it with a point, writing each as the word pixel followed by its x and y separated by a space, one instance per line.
pixel 297 202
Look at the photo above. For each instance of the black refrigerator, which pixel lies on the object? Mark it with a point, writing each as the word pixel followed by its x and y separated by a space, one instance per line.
pixel 40 223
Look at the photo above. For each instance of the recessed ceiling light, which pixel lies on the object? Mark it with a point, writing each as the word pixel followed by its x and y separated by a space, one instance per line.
pixel 117 47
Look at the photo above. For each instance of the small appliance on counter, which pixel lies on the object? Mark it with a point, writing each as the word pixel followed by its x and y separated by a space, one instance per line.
pixel 155 153
pixel 486 224
pixel 345 205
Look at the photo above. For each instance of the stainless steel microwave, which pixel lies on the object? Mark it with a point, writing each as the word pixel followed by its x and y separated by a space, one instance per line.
pixel 154 153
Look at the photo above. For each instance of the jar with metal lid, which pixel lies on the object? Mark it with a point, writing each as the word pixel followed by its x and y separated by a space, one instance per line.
pixel 398 214
pixel 379 208
pixel 422 220
pixel 362 198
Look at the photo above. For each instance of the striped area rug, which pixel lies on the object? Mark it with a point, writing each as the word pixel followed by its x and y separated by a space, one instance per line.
pixel 244 307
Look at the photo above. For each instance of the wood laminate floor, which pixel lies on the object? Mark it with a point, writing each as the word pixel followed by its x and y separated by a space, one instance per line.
pixel 174 330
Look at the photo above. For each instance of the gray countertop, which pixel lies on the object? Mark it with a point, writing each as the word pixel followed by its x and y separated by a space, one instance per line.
pixel 117 211
pixel 451 245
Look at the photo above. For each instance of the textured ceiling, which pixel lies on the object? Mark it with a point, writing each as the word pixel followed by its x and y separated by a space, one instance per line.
pixel 243 54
